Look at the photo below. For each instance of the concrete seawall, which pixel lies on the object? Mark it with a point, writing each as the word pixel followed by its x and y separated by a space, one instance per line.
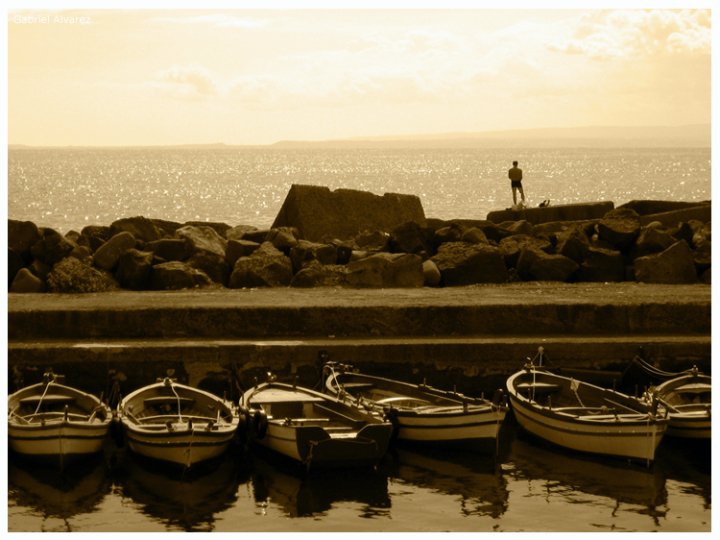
pixel 470 337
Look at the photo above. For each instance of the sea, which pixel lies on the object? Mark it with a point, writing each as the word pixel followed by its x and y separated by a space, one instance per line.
pixel 69 188
pixel 523 485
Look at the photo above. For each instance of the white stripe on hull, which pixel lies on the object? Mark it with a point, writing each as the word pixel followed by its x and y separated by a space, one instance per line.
pixel 184 449
pixel 636 440
pixel 689 427
pixel 418 428
pixel 63 439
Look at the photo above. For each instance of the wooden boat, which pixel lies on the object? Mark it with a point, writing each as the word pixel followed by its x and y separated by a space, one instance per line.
pixel 420 413
pixel 312 428
pixel 177 424
pixel 585 417
pixel 53 421
pixel 687 398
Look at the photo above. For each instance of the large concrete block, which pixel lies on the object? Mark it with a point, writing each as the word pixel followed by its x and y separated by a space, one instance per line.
pixel 561 212
pixel 320 214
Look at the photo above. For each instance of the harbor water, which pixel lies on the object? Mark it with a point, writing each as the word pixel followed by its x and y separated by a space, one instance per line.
pixel 522 486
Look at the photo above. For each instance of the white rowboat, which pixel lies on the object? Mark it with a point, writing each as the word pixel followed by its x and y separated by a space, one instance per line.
pixel 583 417
pixel 53 421
pixel 312 428
pixel 177 424
pixel 420 413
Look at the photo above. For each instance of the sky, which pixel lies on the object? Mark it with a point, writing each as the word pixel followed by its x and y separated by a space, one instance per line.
pixel 257 76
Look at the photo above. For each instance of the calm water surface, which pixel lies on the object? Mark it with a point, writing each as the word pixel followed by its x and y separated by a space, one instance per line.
pixel 527 487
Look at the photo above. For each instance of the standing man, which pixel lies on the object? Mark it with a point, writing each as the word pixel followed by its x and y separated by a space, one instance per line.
pixel 515 176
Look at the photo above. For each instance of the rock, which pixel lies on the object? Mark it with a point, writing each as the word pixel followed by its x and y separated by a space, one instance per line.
pixel 574 244
pixel 444 235
pixel 700 212
pixel 94 236
pixel 52 247
pixel 412 238
pixel 461 263
pixel 257 235
pixel 536 265
pixel 107 256
pixel 702 257
pixel 683 231
pixel 238 232
pixel 602 265
pixel 266 267
pixel 474 235
pixel 619 228
pixel 220 228
pixel 72 237
pixel 164 227
pixel 214 265
pixel 140 227
pixel 372 241
pixel 176 275
pixel 319 213
pixel 520 227
pixel 170 249
pixel 238 248
pixel 648 207
pixel 40 268
pixel 344 251
pixel 15 263
pixel 652 240
pixel 706 277
pixel 512 246
pixel 72 276
pixel 431 273
pixel 315 274
pixel 563 212
pixel 386 270
pixel 305 252
pixel 283 238
pixel 26 282
pixel 674 265
pixel 82 253
pixel 201 238
pixel 22 236
pixel 134 269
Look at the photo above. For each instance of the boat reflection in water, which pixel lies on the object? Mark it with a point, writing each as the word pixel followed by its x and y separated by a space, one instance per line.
pixel 562 472
pixel 473 477
pixel 55 494
pixel 182 500
pixel 299 493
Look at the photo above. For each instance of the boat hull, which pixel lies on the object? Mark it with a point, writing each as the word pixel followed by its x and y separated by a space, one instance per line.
pixel 50 420
pixel 419 413
pixel 688 398
pixel 177 424
pixel 184 446
pixel 690 425
pixel 62 438
pixel 452 427
pixel 629 434
pixel 314 447
pixel 313 429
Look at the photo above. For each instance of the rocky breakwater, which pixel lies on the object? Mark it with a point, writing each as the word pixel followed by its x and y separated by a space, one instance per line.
pixel 348 238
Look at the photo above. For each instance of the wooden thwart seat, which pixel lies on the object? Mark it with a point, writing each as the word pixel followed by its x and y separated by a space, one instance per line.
pixel 171 400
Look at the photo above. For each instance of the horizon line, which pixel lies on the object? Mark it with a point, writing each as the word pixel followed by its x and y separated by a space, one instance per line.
pixel 409 137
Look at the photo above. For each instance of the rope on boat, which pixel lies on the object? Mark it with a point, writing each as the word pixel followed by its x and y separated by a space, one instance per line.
pixel 179 406
pixel 47 387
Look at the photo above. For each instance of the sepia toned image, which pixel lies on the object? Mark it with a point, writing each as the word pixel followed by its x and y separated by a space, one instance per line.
pixel 306 268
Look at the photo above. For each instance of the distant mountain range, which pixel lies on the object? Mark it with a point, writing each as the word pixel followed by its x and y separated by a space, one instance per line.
pixel 691 135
